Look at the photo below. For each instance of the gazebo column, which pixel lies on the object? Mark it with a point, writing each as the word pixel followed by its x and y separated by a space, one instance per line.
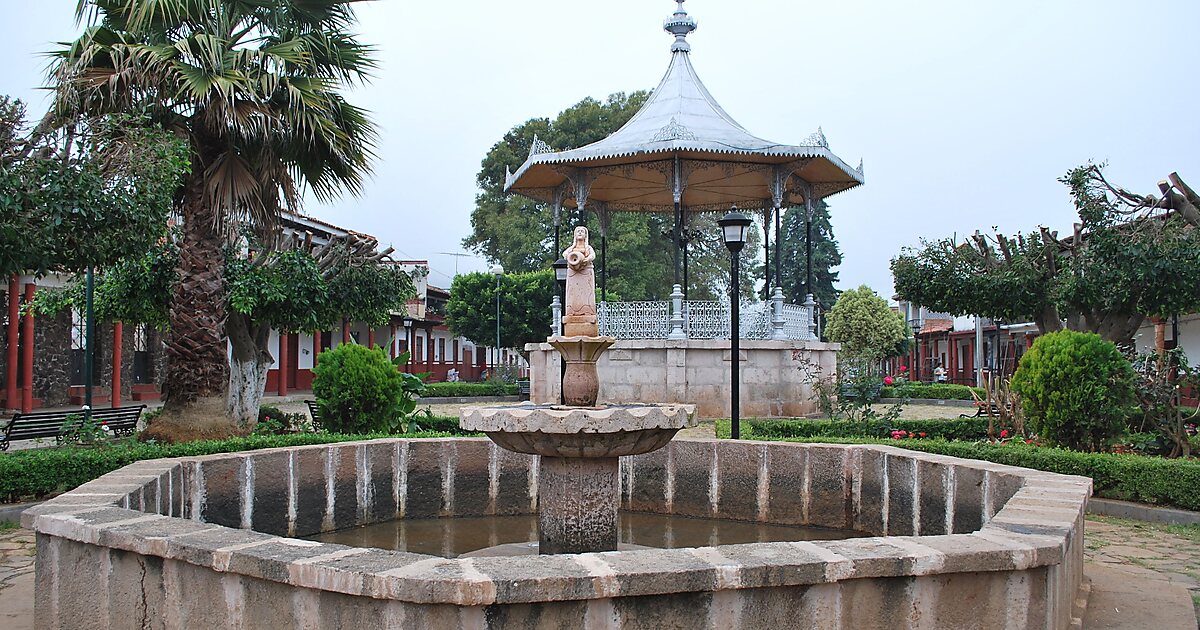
pixel 603 214
pixel 779 175
pixel 809 300
pixel 767 249
pixel 677 186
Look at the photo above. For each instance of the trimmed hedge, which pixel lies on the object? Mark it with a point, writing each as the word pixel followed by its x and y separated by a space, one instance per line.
pixel 1169 482
pixel 40 472
pixel 940 391
pixel 956 429
pixel 463 390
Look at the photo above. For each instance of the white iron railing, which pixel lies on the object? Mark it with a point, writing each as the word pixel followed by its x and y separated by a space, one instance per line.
pixel 703 319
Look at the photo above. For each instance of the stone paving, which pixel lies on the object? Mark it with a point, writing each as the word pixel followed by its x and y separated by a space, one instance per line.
pixel 1149 550
pixel 16 579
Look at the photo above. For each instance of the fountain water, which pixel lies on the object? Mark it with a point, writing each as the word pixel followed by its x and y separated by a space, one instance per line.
pixel 579 444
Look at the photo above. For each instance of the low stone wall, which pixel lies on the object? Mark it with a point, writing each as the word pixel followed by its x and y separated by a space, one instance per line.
pixel 696 371
pixel 169 543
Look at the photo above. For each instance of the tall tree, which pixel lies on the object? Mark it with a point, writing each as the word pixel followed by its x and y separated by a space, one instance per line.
pixel 253 87
pixel 826 256
pixel 519 232
pixel 524 307
pixel 1129 257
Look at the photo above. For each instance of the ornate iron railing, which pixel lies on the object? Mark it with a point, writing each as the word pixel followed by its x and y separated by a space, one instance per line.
pixel 703 319
pixel 634 320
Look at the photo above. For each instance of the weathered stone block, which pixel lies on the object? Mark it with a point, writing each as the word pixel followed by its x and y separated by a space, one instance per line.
pixel 272 476
pixel 902 475
pixel 426 468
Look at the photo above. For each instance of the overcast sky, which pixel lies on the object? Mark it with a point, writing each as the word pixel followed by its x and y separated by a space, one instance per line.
pixel 964 112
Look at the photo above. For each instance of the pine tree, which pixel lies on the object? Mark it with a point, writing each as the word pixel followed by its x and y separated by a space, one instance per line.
pixel 825 256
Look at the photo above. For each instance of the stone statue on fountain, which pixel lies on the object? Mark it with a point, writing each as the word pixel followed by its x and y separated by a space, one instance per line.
pixel 580 318
pixel 580 344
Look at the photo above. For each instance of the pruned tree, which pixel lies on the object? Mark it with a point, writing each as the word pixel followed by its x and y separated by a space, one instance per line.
pixel 1128 257
pixel 524 308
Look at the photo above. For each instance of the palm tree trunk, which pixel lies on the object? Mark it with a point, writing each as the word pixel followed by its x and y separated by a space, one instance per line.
pixel 198 364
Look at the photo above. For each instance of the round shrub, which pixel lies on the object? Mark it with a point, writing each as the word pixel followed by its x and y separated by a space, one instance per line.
pixel 1076 388
pixel 359 390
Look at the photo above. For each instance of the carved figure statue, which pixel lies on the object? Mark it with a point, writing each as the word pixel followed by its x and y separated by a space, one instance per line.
pixel 580 316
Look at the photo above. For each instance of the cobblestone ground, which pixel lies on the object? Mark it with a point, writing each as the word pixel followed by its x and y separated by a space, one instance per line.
pixel 16 579
pixel 1165 552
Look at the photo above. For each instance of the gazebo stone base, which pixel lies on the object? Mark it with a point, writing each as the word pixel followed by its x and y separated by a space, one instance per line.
pixel 776 375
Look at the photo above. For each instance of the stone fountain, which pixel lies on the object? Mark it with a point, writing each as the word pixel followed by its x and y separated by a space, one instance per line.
pixel 579 444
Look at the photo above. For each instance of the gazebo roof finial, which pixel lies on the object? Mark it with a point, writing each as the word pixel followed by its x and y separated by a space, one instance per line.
pixel 680 25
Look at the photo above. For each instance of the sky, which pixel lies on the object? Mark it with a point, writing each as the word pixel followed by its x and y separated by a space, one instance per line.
pixel 965 113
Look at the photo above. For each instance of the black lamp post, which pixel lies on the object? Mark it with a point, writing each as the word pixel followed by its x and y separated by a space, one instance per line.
pixel 498 271
pixel 733 232
pixel 560 275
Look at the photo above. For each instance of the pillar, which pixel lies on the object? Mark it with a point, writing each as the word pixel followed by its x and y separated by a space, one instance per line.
pixel 316 346
pixel 14 341
pixel 371 337
pixel 429 349
pixel 118 334
pixel 27 353
pixel 392 343
pixel 283 364
pixel 577 504
pixel 345 331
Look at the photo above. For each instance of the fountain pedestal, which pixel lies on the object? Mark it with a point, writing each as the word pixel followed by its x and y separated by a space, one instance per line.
pixel 580 450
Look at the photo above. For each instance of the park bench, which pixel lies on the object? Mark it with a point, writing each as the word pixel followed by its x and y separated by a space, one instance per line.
pixel 983 408
pixel 314 411
pixel 47 424
pixel 523 389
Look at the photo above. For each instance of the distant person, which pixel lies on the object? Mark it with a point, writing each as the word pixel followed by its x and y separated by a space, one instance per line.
pixel 939 374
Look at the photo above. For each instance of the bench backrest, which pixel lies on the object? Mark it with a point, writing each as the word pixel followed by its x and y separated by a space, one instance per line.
pixel 25 426
pixel 314 410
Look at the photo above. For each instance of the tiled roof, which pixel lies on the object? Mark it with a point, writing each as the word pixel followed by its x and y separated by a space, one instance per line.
pixel 937 326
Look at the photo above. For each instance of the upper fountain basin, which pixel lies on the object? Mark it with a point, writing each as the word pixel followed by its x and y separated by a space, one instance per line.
pixel 561 431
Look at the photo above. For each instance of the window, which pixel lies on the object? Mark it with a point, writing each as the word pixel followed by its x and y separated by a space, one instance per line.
pixel 442 350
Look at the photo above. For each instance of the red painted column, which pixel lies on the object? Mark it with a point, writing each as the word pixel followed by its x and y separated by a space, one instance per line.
pixel 283 364
pixel 345 331
pixel 392 343
pixel 118 333
pixel 429 349
pixel 14 341
pixel 316 346
pixel 27 351
pixel 371 337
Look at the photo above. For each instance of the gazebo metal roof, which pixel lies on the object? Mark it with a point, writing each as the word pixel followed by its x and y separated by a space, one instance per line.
pixel 682 149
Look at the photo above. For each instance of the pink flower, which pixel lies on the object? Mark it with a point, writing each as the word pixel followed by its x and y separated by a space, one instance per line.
pixel 922 434
pixel 1004 433
pixel 903 369
pixel 887 380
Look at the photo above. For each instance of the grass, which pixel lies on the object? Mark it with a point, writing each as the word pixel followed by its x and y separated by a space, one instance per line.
pixel 9 526
pixel 1188 532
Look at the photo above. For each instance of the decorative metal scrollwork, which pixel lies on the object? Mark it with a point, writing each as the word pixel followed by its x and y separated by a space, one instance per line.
pixel 673 130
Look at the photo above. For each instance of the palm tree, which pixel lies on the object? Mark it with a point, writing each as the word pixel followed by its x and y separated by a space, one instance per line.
pixel 253 87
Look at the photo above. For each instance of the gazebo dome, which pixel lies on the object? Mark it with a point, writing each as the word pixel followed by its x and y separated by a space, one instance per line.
pixel 682 148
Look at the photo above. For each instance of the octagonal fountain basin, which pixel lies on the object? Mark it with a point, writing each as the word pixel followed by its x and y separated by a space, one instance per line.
pixel 214 542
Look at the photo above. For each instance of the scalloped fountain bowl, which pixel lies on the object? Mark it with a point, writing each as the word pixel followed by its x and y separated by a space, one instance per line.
pixel 581 432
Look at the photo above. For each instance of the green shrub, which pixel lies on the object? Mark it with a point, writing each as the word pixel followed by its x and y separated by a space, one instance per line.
pixel 40 472
pixel 938 391
pixel 1169 482
pixel 1076 388
pixel 359 390
pixel 462 390
pixel 959 429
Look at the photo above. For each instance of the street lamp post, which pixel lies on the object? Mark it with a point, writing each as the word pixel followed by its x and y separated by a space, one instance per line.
pixel 733 232
pixel 560 275
pixel 498 271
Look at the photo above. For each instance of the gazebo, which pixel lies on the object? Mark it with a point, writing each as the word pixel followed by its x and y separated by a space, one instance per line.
pixel 682 153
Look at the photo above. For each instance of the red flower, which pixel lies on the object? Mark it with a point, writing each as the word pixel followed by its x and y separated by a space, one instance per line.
pixel 1004 433
pixel 887 380
pixel 922 434
pixel 903 369
pixel 1029 441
